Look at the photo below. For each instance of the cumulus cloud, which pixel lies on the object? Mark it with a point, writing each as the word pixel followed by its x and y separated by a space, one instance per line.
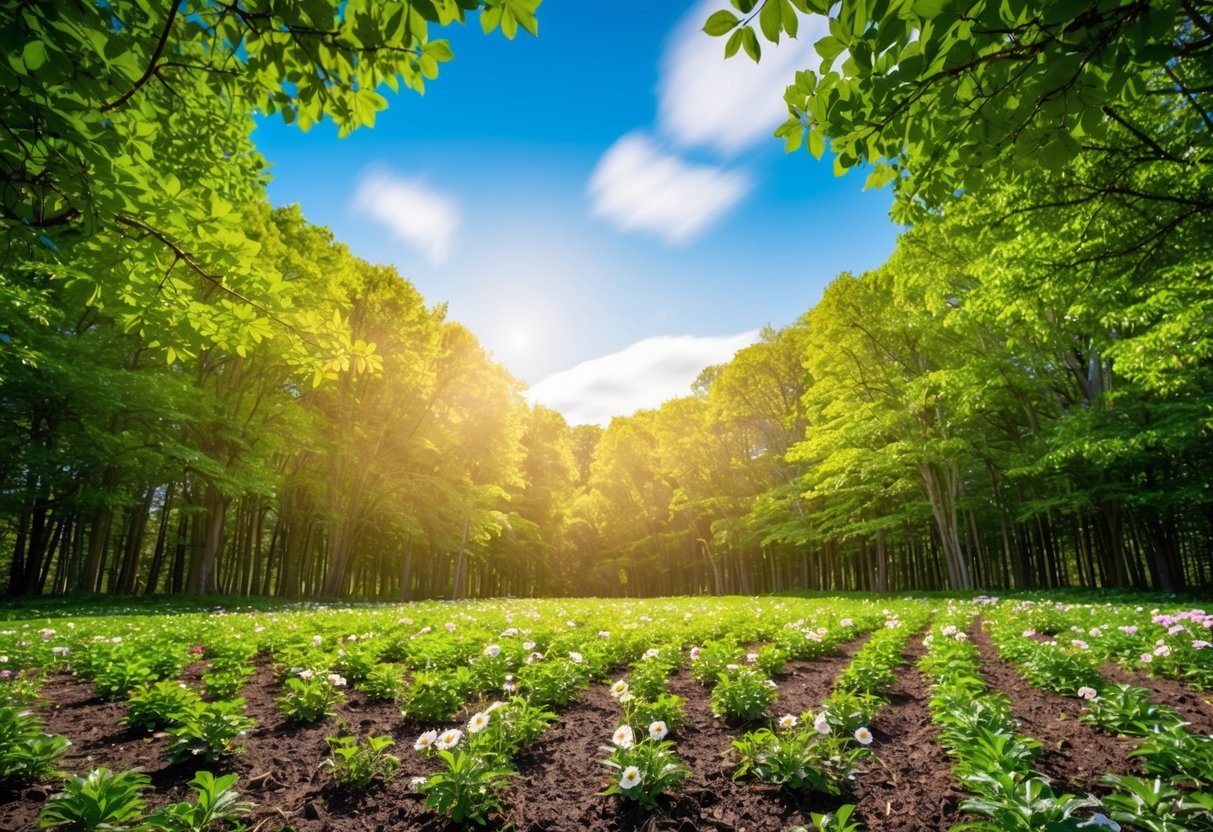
pixel 638 187
pixel 640 376
pixel 728 105
pixel 424 218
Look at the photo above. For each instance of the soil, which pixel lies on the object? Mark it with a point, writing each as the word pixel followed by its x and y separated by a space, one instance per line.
pixel 1073 755
pixel 907 788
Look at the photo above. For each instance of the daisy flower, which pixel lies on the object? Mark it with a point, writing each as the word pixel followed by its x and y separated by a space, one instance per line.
pixel 478 722
pixel 630 778
pixel 426 740
pixel 658 730
pixel 448 739
pixel 623 737
pixel 863 736
pixel 787 721
pixel 619 688
pixel 821 724
pixel 1087 693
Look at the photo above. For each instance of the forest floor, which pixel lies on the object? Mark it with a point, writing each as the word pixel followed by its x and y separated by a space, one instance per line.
pixel 907 787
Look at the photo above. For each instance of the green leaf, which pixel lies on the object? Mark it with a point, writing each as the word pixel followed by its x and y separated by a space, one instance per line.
pixel 749 42
pixel 34 55
pixel 721 22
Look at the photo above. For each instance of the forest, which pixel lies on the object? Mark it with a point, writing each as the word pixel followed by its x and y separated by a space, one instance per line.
pixel 203 393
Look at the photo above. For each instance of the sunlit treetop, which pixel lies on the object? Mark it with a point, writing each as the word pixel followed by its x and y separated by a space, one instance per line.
pixel 939 95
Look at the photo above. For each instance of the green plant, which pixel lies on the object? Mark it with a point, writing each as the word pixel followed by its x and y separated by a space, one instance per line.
pixel 215 801
pixel 225 683
pixel 356 663
pixel 800 758
pixel 383 683
pixel 743 695
pixel 771 658
pixel 27 752
pixel 711 660
pixel 1014 802
pixel 100 801
pixel 647 770
pixel 121 675
pixel 357 762
pixel 208 730
pixel 666 707
pixel 155 705
pixel 467 787
pixel 508 727
pixel 648 679
pixel 837 821
pixel 1178 755
pixel 553 683
pixel 432 698
pixel 311 698
pixel 1126 709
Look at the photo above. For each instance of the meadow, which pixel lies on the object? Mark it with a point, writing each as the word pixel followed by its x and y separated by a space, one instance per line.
pixel 770 713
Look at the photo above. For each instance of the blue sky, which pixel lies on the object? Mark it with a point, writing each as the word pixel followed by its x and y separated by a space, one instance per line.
pixel 603 206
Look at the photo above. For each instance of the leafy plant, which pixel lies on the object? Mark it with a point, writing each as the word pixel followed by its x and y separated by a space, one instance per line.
pixel 467 787
pixel 1013 802
pixel 311 699
pixel 27 752
pixel 647 770
pixel 155 705
pixel 215 801
pixel 511 726
pixel 743 695
pixel 208 730
pixel 432 698
pixel 666 707
pixel 800 759
pixel 383 683
pixel 357 762
pixel 1126 709
pixel 100 801
pixel 121 675
pixel 225 683
pixel 837 821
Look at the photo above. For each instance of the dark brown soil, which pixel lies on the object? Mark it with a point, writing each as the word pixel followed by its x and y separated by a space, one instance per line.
pixel 1192 706
pixel 909 785
pixel 803 685
pixel 1073 755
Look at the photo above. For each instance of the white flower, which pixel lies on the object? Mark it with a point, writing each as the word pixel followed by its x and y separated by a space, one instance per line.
pixel 1029 633
pixel 732 667
pixel 46 634
pixel 1100 819
pixel 1079 643
pixel 58 651
pixel 694 653
pixel 1087 693
pixel 528 645
pixel 492 650
pixel 306 674
pixel 845 622
pixel 626 698
pixel 575 657
pixel 623 737
pixel 619 688
pixel 630 778
pixel 450 626
pixel 751 658
pixel 478 722
pixel 788 721
pixel 448 738
pixel 821 724
pixel 949 630
pixel 416 783
pixel 863 736
pixel 1146 658
pixel 658 730
pixel 1162 650
pixel 336 680
pixel 534 657
pixel 651 653
pixel 425 740
pixel 604 634
pixel 316 641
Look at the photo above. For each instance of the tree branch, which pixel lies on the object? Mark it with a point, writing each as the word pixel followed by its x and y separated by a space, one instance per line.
pixel 151 64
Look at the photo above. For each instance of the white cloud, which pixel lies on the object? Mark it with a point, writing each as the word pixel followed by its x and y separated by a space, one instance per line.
pixel 416 213
pixel 642 375
pixel 728 105
pixel 636 186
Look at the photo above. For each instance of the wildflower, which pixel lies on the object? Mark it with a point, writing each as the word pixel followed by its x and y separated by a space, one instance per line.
pixel 424 742
pixel 624 738
pixel 787 721
pixel 316 640
pixel 336 680
pixel 478 722
pixel 1087 693
pixel 1029 633
pixel 619 688
pixel 424 630
pixel 492 651
pixel 604 633
pixel 575 657
pixel 949 631
pixel 1129 630
pixel 509 685
pixel 46 634
pixel 417 783
pixel 651 653
pixel 1146 658
pixel 658 730
pixel 1162 650
pixel 197 649
pixel 694 653
pixel 626 698
pixel 534 657
pixel 58 651
pixel 732 667
pixel 1079 643
pixel 631 778
pixel 1200 645
pixel 845 622
pixel 306 674
pixel 1100 819
pixel 404 622
pixel 821 724
pixel 448 739
pixel 751 658
pixel 863 736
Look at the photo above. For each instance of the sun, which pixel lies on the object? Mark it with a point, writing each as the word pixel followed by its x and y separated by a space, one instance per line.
pixel 519 340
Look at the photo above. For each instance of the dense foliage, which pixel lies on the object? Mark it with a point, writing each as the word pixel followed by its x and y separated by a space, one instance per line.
pixel 199 393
